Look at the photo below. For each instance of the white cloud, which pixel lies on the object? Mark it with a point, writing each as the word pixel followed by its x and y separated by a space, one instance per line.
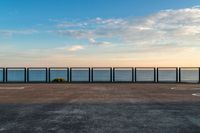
pixel 166 36
pixel 75 48
pixel 71 24
pixel 99 43
pixel 6 32
pixel 179 27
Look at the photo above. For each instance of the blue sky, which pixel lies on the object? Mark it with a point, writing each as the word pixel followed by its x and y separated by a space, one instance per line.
pixel 99 32
pixel 23 13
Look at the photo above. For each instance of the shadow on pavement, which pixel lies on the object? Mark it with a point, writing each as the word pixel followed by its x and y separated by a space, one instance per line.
pixel 101 118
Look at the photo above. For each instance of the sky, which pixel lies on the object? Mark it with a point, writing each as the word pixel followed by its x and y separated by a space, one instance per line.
pixel 99 33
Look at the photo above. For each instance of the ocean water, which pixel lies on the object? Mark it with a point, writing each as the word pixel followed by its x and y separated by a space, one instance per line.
pixel 190 76
pixel 102 75
pixel 80 76
pixel 1 75
pixel 16 75
pixel 145 75
pixel 123 75
pixel 59 74
pixel 167 75
pixel 37 75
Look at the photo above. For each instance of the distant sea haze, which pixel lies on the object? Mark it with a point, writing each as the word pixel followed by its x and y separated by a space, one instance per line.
pixel 101 75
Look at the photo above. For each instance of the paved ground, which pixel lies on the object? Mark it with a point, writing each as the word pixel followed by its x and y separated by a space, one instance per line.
pixel 98 93
pixel 99 108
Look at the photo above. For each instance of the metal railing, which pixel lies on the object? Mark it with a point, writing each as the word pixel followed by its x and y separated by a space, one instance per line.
pixel 2 75
pixel 15 75
pixel 100 74
pixel 59 72
pixel 145 74
pixel 123 75
pixel 167 75
pixel 37 75
pixel 189 75
pixel 80 75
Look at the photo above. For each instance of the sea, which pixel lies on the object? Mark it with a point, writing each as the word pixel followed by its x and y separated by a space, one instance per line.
pixel 104 75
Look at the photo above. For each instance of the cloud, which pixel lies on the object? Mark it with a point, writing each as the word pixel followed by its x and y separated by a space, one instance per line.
pixel 179 27
pixel 166 36
pixel 99 43
pixel 6 32
pixel 75 48
pixel 71 24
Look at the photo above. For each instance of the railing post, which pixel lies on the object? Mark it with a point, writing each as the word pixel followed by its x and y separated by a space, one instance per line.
pixel 92 74
pixel 179 75
pixel 111 75
pixel 157 75
pixel 154 75
pixel 70 77
pixel 89 76
pixel 133 78
pixel 49 71
pixel 135 74
pixel 4 75
pixel 199 74
pixel 46 69
pixel 114 74
pixel 27 75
